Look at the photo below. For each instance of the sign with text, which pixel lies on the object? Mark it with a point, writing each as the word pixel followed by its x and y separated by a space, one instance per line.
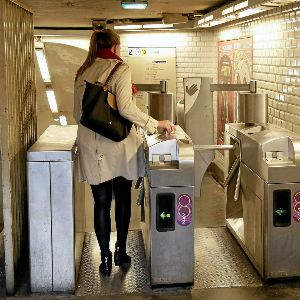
pixel 150 66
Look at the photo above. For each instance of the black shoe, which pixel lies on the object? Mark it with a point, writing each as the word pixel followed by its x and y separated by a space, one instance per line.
pixel 121 258
pixel 106 265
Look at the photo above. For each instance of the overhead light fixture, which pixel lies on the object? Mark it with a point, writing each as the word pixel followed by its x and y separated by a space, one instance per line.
pixel 127 27
pixel 208 18
pixel 227 11
pixel 41 58
pixel 236 10
pixel 134 4
pixel 241 5
pixel 217 22
pixel 249 12
pixel 52 101
pixel 198 13
pixel 43 66
pixel 157 26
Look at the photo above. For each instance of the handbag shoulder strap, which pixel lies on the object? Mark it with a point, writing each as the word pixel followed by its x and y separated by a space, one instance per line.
pixel 112 72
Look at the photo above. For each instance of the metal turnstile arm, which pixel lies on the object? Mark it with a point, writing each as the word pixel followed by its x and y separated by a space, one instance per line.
pixel 213 147
pixel 232 172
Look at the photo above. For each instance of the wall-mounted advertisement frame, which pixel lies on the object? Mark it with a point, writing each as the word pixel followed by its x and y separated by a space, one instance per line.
pixel 235 62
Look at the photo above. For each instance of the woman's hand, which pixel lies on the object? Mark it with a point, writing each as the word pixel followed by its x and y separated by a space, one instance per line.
pixel 166 125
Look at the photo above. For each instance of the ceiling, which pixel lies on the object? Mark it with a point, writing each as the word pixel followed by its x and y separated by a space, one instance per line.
pixel 78 13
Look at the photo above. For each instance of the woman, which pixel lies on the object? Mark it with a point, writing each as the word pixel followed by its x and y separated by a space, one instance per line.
pixel 107 165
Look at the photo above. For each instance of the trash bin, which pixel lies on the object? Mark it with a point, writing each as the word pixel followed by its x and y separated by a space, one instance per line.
pixel 56 211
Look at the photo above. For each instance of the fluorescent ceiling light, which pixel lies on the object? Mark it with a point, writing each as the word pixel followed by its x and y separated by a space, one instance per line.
pixel 198 14
pixel 52 101
pixel 241 5
pixel 63 120
pixel 209 18
pixel 153 26
pixel 124 27
pixel 217 22
pixel 227 10
pixel 249 12
pixel 134 4
pixel 41 58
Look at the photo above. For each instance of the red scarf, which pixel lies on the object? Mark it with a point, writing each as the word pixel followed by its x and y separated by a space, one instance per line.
pixel 106 53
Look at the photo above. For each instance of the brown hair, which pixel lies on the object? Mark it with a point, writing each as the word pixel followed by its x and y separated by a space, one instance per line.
pixel 105 38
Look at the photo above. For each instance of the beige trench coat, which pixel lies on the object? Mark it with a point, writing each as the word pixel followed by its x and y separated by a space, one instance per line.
pixel 99 158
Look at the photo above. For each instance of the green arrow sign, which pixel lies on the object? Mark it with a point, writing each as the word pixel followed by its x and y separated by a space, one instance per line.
pixel 280 211
pixel 163 215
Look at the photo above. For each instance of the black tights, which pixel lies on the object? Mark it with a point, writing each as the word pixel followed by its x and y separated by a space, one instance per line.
pixel 102 194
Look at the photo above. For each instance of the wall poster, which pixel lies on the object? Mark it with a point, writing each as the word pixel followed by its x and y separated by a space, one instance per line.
pixel 235 58
pixel 149 66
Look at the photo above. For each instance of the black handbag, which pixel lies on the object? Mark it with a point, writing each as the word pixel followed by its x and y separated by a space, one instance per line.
pixel 99 116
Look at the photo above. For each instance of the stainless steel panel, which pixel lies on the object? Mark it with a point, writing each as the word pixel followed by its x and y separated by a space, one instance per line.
pixel 162 106
pixel 253 217
pixel 179 170
pixel 251 87
pixel 148 86
pixel 40 239
pixel 170 168
pixel 263 140
pixel 233 128
pixel 199 125
pixel 251 181
pixel 282 244
pixel 63 194
pixel 213 147
pixel 270 162
pixel 80 221
pixel 161 178
pixel 146 220
pixel 251 108
pixel 170 255
pixel 172 252
pixel 63 238
pixel 55 144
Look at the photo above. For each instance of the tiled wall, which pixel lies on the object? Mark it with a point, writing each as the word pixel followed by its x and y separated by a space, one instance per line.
pixel 276 62
pixel 196 51
pixel 276 58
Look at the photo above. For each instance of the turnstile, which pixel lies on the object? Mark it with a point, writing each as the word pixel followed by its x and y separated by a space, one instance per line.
pixel 56 211
pixel 265 218
pixel 167 212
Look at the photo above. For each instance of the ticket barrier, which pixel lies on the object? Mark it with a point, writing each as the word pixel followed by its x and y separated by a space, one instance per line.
pixel 168 208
